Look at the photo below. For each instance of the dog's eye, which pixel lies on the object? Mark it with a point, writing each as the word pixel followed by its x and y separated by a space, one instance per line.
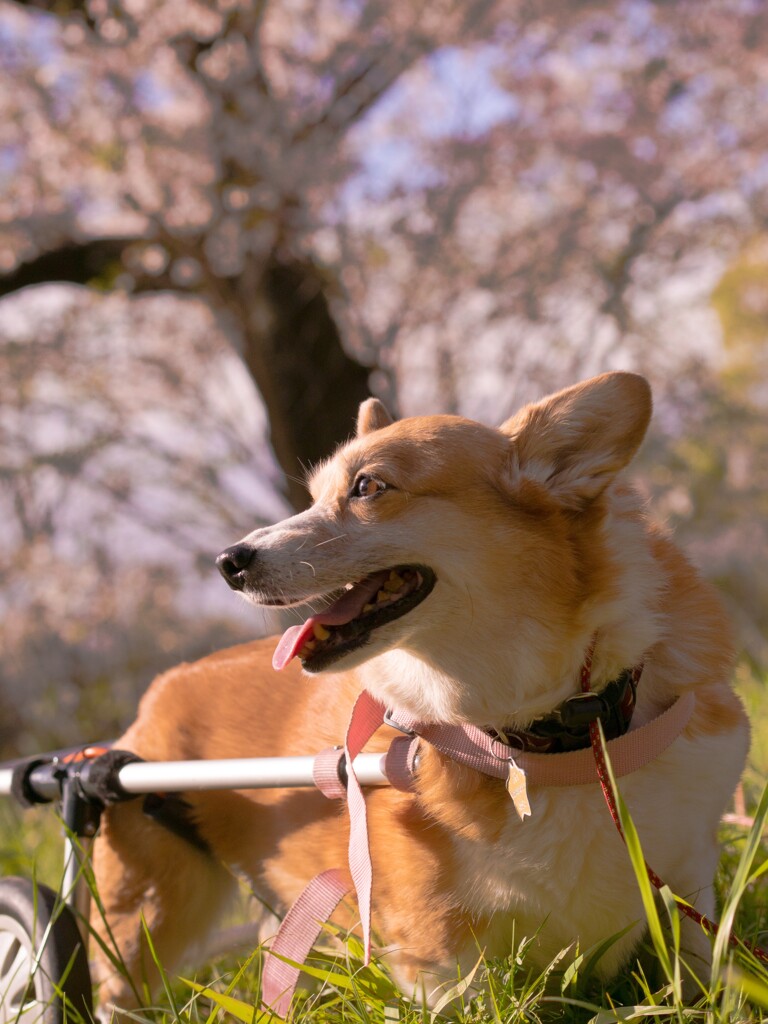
pixel 367 486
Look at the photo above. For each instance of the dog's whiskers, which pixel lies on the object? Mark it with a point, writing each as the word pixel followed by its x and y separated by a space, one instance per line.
pixel 329 540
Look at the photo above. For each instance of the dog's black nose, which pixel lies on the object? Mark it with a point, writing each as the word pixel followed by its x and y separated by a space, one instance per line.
pixel 233 564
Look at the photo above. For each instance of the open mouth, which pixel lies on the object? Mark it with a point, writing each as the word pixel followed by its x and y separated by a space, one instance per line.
pixel 349 621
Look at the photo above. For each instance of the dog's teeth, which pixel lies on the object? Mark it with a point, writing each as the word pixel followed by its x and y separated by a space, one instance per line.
pixel 320 632
pixel 394 583
pixel 368 607
pixel 309 645
pixel 383 596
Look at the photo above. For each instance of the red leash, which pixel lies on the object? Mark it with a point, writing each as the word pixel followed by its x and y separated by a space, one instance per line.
pixel 598 749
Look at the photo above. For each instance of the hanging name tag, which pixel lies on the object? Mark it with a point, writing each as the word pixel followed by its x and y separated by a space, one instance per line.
pixel 518 790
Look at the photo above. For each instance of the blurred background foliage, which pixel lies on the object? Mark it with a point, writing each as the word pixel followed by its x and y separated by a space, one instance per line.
pixel 222 224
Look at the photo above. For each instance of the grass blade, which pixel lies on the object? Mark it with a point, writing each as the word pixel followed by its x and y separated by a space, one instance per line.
pixel 238 1008
pixel 632 840
pixel 741 880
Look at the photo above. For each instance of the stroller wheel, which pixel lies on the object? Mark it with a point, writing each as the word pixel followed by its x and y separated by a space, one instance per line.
pixel 44 974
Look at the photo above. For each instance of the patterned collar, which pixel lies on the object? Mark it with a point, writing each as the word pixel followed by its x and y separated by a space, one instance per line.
pixel 567 727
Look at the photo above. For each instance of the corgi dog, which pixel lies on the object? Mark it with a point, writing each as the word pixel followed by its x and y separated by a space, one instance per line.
pixel 459 574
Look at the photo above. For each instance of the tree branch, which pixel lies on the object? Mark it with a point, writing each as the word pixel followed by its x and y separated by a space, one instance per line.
pixel 75 262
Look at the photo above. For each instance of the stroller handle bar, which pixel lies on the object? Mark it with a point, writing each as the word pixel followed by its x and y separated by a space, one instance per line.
pixel 240 773
pixel 228 773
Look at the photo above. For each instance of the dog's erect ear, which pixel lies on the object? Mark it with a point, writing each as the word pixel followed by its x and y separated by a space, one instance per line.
pixel 577 440
pixel 371 416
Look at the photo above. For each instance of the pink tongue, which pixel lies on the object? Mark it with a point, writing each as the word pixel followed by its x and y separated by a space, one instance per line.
pixel 346 608
pixel 291 642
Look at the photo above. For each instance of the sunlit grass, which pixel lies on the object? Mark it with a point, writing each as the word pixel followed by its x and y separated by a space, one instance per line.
pixel 505 990
pixel 753 689
pixel 30 839
pixel 512 990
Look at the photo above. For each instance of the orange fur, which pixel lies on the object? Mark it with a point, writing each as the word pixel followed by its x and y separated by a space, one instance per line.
pixel 535 548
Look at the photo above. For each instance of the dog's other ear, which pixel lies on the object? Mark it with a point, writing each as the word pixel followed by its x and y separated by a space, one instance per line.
pixel 372 415
pixel 577 440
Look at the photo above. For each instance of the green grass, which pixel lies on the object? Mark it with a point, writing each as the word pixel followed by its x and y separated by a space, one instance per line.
pixel 511 990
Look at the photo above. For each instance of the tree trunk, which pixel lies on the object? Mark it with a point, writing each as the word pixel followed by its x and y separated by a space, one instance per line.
pixel 309 384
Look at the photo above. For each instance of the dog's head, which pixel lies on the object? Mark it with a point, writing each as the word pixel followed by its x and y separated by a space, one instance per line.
pixel 459 544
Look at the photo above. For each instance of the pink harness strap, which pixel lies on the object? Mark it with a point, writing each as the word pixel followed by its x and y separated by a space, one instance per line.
pixel 296 936
pixel 471 746
pixel 400 762
pixel 303 922
pixel 465 744
pixel 367 716
pixel 325 773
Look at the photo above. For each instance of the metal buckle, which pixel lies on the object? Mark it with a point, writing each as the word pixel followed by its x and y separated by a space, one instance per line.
pixel 582 708
pixel 389 720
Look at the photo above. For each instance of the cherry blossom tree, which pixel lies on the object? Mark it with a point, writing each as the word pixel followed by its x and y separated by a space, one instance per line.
pixel 224 223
